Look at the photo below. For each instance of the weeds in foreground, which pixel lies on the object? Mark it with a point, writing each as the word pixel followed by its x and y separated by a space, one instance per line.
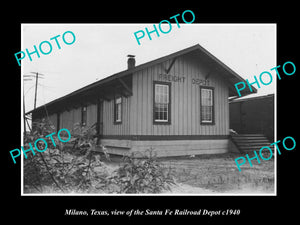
pixel 63 169
pixel 141 176
pixel 79 169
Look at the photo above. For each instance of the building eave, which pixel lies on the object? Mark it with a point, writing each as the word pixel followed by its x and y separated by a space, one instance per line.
pixel 228 74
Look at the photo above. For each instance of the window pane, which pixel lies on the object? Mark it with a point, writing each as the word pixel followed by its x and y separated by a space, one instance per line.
pixel 161 111
pixel 118 100
pixel 206 95
pixel 161 105
pixel 165 115
pixel 206 113
pixel 118 109
pixel 119 112
pixel 161 93
pixel 206 105
pixel 161 116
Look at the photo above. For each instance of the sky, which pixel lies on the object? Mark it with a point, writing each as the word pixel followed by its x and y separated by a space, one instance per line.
pixel 101 50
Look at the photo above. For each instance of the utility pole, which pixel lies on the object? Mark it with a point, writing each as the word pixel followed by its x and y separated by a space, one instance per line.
pixel 36 84
pixel 35 95
pixel 24 117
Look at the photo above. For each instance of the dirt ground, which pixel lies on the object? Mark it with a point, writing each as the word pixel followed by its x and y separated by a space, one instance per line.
pixel 217 174
pixel 210 175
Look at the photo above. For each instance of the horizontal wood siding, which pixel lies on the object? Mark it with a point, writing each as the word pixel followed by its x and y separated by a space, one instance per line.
pixel 185 100
pixel 180 147
pixel 166 148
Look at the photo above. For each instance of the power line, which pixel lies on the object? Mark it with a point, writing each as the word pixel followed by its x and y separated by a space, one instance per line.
pixel 28 77
pixel 37 76
pixel 24 117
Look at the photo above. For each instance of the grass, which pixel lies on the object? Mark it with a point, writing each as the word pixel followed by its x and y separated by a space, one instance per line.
pixel 205 174
pixel 219 173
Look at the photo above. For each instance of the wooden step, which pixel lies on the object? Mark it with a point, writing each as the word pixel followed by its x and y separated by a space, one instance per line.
pixel 242 143
pixel 251 142
pixel 247 142
pixel 254 144
pixel 248 135
pixel 245 148
pixel 249 138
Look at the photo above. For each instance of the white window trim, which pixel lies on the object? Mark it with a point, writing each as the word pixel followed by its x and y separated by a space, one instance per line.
pixel 211 90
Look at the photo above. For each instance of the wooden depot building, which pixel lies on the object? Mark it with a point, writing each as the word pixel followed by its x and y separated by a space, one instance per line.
pixel 175 105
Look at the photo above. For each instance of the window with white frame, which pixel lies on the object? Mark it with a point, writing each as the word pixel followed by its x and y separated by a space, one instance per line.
pixel 161 102
pixel 207 105
pixel 118 110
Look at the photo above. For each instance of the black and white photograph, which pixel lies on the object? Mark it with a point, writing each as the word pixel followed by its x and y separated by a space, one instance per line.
pixel 157 115
pixel 133 115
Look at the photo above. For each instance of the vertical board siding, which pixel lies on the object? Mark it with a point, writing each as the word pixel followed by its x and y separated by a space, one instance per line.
pixel 109 127
pixel 69 118
pixel 53 120
pixel 137 110
pixel 91 114
pixel 185 100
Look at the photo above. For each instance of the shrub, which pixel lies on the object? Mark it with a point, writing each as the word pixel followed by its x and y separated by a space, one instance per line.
pixel 62 169
pixel 140 176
